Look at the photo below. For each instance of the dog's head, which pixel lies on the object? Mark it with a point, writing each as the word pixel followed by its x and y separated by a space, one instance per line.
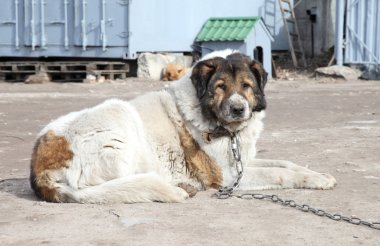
pixel 230 89
pixel 173 72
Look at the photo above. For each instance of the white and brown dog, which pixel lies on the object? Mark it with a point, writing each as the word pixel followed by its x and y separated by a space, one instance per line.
pixel 164 145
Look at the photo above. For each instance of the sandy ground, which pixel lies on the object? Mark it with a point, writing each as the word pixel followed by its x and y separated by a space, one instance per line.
pixel 330 126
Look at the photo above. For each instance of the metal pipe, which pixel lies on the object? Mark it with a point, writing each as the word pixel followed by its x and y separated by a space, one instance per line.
pixel 370 31
pixel 16 25
pixel 377 41
pixel 361 28
pixel 312 40
pixel 66 26
pixel 339 32
pixel 103 36
pixel 83 22
pixel 129 32
pixel 43 38
pixel 32 27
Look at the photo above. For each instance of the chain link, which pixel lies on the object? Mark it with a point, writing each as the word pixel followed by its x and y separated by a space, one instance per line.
pixel 235 148
pixel 227 192
pixel 304 208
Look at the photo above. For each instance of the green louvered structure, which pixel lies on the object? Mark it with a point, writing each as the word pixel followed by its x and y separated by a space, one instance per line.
pixel 227 29
pixel 249 35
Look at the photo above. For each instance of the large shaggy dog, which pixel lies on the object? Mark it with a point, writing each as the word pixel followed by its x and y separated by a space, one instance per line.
pixel 165 145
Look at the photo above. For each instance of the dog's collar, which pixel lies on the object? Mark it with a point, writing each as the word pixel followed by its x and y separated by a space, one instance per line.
pixel 217 132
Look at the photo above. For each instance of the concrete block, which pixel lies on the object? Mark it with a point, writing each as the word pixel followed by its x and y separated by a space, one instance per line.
pixel 150 65
pixel 346 73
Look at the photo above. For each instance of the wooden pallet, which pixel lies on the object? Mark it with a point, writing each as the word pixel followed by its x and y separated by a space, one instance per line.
pixel 15 71
pixel 63 71
pixel 291 28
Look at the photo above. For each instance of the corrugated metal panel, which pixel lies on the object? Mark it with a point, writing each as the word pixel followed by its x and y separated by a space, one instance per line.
pixel 64 28
pixel 118 28
pixel 10 23
pixel 227 29
pixel 362 32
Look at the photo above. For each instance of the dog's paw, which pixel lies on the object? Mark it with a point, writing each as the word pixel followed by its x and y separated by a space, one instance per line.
pixel 179 194
pixel 191 190
pixel 322 181
pixel 331 181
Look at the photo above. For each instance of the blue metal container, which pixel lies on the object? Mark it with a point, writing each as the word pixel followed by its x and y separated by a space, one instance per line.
pixel 119 28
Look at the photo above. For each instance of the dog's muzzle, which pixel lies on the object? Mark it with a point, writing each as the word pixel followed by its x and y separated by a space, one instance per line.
pixel 235 109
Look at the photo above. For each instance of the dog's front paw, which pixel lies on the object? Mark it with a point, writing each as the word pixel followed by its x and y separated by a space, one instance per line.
pixel 322 181
pixel 191 190
pixel 330 181
pixel 180 194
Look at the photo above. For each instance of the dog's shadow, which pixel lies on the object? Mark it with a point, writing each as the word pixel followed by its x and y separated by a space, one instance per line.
pixel 18 187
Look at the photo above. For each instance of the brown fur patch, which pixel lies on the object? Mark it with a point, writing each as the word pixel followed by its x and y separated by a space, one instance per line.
pixel 198 163
pixel 51 152
pixel 173 72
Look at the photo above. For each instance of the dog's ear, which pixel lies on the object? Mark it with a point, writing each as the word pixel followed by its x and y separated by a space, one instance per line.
pixel 260 74
pixel 164 74
pixel 202 73
pixel 255 66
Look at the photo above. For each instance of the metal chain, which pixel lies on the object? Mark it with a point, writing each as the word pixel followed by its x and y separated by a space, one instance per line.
pixel 235 147
pixel 304 208
pixel 227 192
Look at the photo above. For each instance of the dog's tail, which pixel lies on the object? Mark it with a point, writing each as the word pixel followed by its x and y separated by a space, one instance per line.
pixel 147 187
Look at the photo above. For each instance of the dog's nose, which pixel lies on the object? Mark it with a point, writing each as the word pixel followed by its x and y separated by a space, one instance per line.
pixel 237 110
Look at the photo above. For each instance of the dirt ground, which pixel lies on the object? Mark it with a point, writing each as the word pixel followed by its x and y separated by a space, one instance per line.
pixel 329 125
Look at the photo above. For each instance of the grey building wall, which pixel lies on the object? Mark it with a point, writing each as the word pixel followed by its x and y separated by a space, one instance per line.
pixel 171 24
pixel 324 28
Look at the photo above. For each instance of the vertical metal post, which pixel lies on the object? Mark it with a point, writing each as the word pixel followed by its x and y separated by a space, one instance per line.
pixel 33 31
pixel 339 32
pixel 83 22
pixel 43 38
pixel 377 41
pixel 370 31
pixel 361 15
pixel 66 25
pixel 103 36
pixel 17 26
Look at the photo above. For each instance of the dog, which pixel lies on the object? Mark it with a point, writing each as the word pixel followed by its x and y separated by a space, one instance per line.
pixel 173 72
pixel 166 145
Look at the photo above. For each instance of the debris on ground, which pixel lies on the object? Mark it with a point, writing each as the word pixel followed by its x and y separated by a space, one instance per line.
pixel 39 78
pixel 371 72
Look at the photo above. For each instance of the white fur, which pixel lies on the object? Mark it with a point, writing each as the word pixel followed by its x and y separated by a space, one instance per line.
pixel 130 151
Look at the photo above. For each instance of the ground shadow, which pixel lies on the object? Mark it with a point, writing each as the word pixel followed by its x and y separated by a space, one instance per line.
pixel 18 187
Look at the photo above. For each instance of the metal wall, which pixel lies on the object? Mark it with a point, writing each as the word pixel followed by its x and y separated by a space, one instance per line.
pixel 118 28
pixel 63 28
pixel 362 32
pixel 168 25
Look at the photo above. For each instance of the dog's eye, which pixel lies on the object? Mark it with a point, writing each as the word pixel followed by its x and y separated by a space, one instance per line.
pixel 245 85
pixel 222 87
